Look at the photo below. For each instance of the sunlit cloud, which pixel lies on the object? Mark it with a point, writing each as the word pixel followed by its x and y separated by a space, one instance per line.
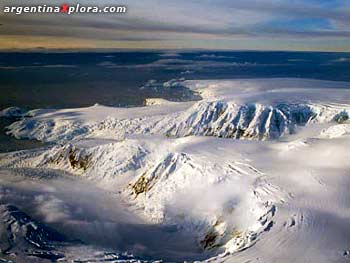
pixel 264 24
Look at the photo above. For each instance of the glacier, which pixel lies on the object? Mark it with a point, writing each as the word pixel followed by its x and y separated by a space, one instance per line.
pixel 255 170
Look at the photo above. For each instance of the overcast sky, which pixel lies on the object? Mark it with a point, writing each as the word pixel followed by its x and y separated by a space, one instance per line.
pixel 185 24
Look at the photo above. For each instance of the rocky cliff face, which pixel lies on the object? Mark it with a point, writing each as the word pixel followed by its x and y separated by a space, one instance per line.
pixel 249 121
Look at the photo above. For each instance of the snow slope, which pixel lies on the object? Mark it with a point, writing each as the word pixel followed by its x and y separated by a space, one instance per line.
pixel 255 171
pixel 251 109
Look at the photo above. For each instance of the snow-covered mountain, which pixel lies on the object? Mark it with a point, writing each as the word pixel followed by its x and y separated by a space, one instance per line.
pixel 221 119
pixel 251 121
pixel 253 170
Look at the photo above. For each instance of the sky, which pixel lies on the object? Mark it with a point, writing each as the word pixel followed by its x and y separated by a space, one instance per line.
pixel 306 25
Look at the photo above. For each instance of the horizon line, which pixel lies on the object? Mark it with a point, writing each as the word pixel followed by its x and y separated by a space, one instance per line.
pixel 179 50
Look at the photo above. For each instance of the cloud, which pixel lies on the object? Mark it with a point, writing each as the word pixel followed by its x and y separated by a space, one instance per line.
pixel 213 56
pixel 297 60
pixel 52 208
pixel 342 59
pixel 157 23
pixel 178 64
pixel 296 9
pixel 36 66
pixel 170 54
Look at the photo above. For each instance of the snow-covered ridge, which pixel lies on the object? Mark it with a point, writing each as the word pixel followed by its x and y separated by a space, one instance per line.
pixel 252 121
pixel 98 162
pixel 12 112
pixel 156 101
pixel 224 119
pixel 229 109
pixel 154 179
pixel 177 173
pixel 48 130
